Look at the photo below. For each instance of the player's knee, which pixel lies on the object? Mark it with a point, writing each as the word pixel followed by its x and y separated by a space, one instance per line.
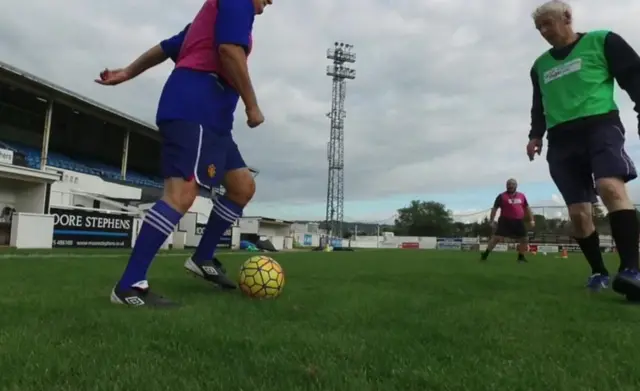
pixel 613 193
pixel 242 195
pixel 240 187
pixel 180 194
pixel 581 219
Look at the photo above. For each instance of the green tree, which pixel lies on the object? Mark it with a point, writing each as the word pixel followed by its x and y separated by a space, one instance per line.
pixel 541 223
pixel 424 218
pixel 553 225
pixel 461 229
pixel 485 228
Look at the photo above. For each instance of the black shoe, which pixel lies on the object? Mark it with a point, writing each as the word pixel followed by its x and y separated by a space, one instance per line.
pixel 139 295
pixel 211 271
pixel 522 260
pixel 633 298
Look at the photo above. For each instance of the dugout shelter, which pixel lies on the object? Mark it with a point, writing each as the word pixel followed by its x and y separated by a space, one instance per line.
pixel 74 172
pixel 265 229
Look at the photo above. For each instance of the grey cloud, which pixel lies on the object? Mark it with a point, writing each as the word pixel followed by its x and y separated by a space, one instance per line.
pixel 441 101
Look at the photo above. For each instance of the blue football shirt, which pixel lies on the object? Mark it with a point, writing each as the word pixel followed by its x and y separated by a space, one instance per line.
pixel 171 46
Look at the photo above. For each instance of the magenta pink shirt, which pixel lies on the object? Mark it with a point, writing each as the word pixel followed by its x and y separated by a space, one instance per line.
pixel 512 206
pixel 199 50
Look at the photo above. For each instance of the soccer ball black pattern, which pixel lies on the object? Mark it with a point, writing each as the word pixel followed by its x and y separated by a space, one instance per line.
pixel 261 277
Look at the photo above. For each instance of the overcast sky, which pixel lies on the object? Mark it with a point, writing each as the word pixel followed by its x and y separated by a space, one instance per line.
pixel 439 108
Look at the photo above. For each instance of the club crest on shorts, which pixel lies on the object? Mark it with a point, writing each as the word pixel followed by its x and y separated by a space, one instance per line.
pixel 211 170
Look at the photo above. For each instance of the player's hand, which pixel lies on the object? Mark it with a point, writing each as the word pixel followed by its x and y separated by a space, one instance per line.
pixel 254 117
pixel 494 225
pixel 534 147
pixel 113 77
pixel 532 223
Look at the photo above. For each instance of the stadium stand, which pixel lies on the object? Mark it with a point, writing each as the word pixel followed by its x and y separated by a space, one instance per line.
pixel 75 153
pixel 78 142
pixel 90 167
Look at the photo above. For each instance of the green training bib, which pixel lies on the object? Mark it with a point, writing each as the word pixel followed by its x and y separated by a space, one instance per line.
pixel 579 85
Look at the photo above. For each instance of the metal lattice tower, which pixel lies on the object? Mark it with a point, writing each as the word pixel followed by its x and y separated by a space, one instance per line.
pixel 341 54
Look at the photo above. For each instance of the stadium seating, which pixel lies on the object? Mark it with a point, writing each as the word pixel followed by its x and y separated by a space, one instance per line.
pixel 102 170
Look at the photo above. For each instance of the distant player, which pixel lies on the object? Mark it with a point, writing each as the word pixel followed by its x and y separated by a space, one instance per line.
pixel 195 118
pixel 573 102
pixel 514 207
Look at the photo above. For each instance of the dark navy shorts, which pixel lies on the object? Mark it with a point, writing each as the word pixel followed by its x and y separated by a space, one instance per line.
pixel 196 152
pixel 596 152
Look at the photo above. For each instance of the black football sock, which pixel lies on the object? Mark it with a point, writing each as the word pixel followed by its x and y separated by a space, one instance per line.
pixel 625 230
pixel 590 247
pixel 520 256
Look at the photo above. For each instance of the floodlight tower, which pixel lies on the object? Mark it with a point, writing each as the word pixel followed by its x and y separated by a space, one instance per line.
pixel 342 55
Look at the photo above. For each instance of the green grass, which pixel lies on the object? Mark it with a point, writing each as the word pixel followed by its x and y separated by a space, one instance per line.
pixel 369 320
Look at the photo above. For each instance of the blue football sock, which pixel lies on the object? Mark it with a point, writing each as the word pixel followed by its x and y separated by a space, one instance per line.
pixel 224 213
pixel 158 224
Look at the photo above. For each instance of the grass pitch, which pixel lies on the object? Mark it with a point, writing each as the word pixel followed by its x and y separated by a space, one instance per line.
pixel 369 320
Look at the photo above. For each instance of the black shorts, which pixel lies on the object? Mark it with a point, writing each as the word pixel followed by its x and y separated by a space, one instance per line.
pixel 593 152
pixel 511 228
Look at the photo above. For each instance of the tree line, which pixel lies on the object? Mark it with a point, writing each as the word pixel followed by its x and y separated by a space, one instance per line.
pixel 431 218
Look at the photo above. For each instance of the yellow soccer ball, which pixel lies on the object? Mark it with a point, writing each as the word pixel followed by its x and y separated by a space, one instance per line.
pixel 261 277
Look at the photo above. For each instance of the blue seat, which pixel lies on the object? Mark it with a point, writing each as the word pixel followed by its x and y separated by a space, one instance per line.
pixel 90 167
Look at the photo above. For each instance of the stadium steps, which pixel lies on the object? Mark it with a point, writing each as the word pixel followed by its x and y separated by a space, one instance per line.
pixel 113 173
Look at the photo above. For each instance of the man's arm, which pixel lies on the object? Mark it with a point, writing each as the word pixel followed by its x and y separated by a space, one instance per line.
pixel 538 122
pixel 147 60
pixel 172 46
pixel 494 210
pixel 624 65
pixel 168 48
pixel 234 24
pixel 532 220
pixel 529 211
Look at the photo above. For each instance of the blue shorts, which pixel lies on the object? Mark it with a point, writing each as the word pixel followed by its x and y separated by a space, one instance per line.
pixel 196 152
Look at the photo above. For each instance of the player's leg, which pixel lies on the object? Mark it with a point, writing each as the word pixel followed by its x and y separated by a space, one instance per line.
pixel 570 170
pixel 499 235
pixel 523 246
pixel 612 169
pixel 240 188
pixel 180 149
pixel 520 234
pixel 491 244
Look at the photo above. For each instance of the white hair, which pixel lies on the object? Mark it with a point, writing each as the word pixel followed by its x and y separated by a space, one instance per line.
pixel 554 7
